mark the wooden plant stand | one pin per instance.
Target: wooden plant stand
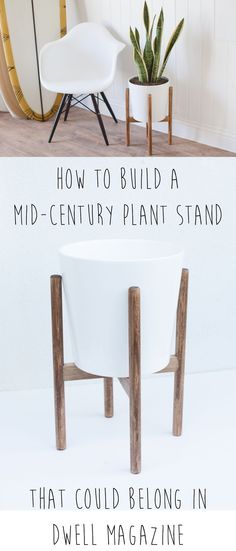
(149, 124)
(132, 384)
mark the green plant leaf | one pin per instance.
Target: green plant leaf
(152, 27)
(174, 37)
(157, 47)
(137, 36)
(146, 18)
(148, 57)
(138, 57)
(142, 69)
(133, 39)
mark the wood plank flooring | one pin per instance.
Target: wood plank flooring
(81, 136)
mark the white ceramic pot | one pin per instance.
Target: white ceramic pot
(96, 277)
(139, 100)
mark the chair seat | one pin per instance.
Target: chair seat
(77, 87)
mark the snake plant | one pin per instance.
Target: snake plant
(148, 59)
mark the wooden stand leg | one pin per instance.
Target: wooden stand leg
(58, 360)
(170, 115)
(135, 380)
(127, 117)
(150, 125)
(180, 353)
(108, 397)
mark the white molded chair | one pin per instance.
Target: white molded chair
(81, 64)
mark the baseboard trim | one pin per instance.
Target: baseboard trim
(205, 134)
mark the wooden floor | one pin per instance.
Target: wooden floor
(81, 136)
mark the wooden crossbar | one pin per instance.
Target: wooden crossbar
(172, 367)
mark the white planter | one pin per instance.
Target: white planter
(139, 101)
(96, 277)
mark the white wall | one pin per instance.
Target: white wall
(202, 68)
(28, 255)
(2, 104)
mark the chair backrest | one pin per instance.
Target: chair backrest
(87, 45)
(95, 39)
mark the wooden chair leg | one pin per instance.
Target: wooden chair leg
(180, 353)
(135, 380)
(150, 125)
(108, 397)
(127, 103)
(170, 115)
(58, 360)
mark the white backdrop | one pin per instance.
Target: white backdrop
(29, 253)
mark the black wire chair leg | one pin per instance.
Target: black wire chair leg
(68, 107)
(99, 117)
(58, 115)
(109, 107)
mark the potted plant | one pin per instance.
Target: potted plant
(151, 79)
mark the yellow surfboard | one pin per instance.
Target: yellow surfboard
(25, 27)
